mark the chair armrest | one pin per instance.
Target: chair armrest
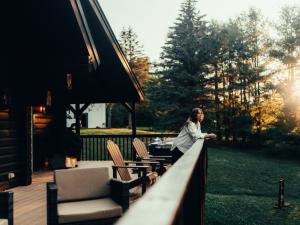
(128, 162)
(148, 161)
(6, 206)
(120, 192)
(52, 217)
(161, 156)
(151, 161)
(167, 159)
(162, 162)
(142, 169)
(142, 179)
(138, 167)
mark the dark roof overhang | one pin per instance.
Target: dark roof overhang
(46, 39)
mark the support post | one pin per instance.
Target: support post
(77, 118)
(133, 117)
(133, 120)
(281, 194)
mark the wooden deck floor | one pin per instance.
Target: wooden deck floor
(30, 201)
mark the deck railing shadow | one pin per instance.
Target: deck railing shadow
(179, 195)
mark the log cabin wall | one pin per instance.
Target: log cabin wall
(42, 133)
(10, 167)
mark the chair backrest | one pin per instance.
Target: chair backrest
(118, 160)
(140, 148)
(81, 184)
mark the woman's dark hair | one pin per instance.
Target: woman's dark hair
(192, 117)
(194, 113)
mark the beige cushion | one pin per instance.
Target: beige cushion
(3, 222)
(82, 184)
(88, 210)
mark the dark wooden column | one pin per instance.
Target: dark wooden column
(58, 106)
(58, 132)
(77, 118)
(29, 144)
(133, 119)
(23, 116)
(131, 109)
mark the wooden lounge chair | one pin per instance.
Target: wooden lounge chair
(142, 154)
(122, 167)
(6, 208)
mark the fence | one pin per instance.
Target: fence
(94, 146)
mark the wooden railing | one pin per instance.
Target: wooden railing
(94, 146)
(179, 195)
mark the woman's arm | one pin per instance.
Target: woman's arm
(210, 136)
(194, 132)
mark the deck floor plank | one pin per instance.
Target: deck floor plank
(30, 201)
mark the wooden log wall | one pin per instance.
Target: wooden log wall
(42, 123)
(9, 157)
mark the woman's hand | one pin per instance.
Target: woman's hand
(210, 136)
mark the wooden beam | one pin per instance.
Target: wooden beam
(127, 106)
(70, 107)
(86, 33)
(84, 108)
(77, 118)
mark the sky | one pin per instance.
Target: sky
(151, 19)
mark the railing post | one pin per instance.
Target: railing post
(77, 118)
(133, 119)
(280, 203)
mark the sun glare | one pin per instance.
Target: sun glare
(297, 89)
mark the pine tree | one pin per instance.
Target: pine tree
(181, 82)
(288, 51)
(139, 64)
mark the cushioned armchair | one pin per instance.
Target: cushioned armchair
(6, 208)
(85, 196)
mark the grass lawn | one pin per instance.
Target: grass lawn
(243, 187)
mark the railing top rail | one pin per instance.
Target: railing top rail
(128, 135)
(162, 202)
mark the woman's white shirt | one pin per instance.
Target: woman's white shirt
(188, 136)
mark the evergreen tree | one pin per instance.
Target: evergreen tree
(140, 65)
(288, 51)
(132, 49)
(181, 82)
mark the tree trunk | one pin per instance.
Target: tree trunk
(129, 121)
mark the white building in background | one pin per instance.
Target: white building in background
(93, 117)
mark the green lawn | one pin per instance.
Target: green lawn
(243, 186)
